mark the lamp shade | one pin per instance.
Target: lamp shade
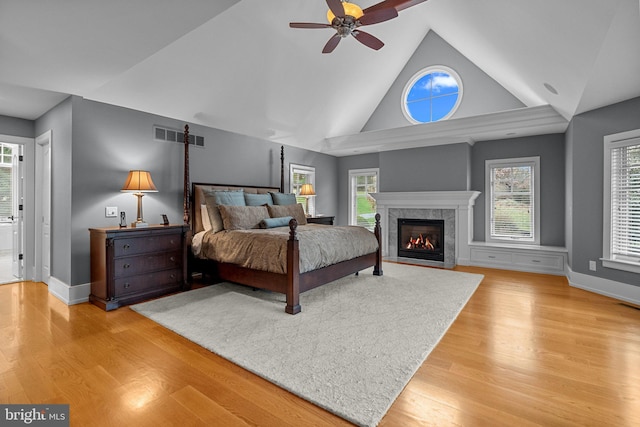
(139, 182)
(307, 190)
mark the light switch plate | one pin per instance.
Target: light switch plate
(111, 211)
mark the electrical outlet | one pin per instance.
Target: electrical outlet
(111, 211)
(592, 265)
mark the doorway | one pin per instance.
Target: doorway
(11, 212)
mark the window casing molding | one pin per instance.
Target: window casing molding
(417, 76)
(353, 174)
(534, 164)
(309, 174)
(610, 257)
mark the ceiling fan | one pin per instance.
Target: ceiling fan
(346, 18)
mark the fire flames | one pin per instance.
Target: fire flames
(420, 242)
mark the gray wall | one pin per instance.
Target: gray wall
(551, 149)
(108, 141)
(438, 168)
(481, 94)
(586, 161)
(17, 127)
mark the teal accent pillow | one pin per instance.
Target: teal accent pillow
(257, 199)
(284, 198)
(230, 198)
(282, 221)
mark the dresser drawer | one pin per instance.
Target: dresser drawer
(140, 245)
(129, 266)
(145, 282)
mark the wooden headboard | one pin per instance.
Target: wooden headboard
(193, 196)
(198, 198)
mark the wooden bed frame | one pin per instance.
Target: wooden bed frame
(293, 283)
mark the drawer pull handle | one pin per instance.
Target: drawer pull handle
(172, 259)
(126, 285)
(172, 242)
(535, 260)
(173, 276)
(126, 266)
(126, 247)
(491, 256)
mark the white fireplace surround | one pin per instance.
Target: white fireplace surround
(460, 201)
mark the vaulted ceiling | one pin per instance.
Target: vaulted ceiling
(236, 65)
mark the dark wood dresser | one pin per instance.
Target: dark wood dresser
(129, 265)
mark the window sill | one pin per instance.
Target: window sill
(632, 267)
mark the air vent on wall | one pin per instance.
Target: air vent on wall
(173, 135)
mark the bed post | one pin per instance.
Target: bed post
(186, 175)
(293, 270)
(282, 168)
(377, 269)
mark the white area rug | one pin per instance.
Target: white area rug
(352, 349)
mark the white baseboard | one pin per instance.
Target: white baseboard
(70, 295)
(606, 287)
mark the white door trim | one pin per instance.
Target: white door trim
(42, 254)
(28, 144)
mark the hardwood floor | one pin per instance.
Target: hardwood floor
(526, 350)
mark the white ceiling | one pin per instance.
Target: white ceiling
(236, 65)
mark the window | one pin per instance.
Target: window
(298, 175)
(6, 180)
(432, 94)
(621, 215)
(512, 205)
(362, 207)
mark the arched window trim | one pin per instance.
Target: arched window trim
(417, 76)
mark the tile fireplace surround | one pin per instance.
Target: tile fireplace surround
(455, 207)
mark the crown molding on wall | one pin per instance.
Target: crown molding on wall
(515, 123)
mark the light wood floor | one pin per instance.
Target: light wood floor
(526, 350)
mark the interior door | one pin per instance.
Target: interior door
(17, 213)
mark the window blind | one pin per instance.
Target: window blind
(625, 203)
(512, 202)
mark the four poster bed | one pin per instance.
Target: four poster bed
(258, 236)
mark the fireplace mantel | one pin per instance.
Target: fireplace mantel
(460, 201)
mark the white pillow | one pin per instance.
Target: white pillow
(206, 222)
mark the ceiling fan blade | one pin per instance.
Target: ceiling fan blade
(378, 16)
(336, 7)
(367, 39)
(332, 43)
(308, 25)
(398, 5)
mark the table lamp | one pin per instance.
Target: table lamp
(139, 182)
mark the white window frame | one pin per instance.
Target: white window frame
(514, 162)
(417, 76)
(610, 259)
(310, 172)
(352, 193)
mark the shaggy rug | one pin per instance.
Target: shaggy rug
(352, 349)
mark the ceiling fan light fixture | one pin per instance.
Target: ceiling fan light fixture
(350, 9)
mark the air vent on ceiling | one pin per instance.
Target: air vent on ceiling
(173, 135)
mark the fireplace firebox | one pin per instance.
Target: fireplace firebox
(421, 238)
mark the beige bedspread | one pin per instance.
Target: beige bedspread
(266, 250)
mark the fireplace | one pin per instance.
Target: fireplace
(421, 238)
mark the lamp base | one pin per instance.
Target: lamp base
(139, 224)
